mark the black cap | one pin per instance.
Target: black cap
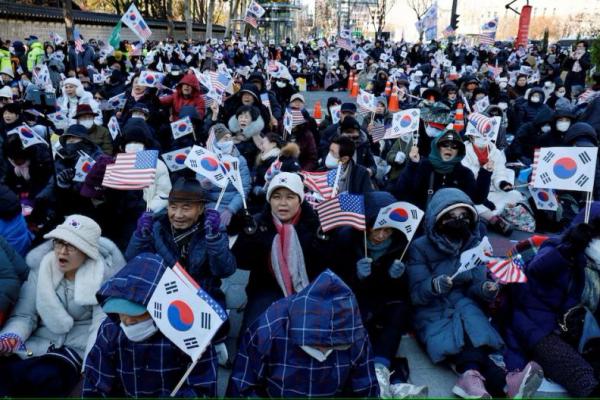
(187, 189)
(348, 107)
(349, 123)
(450, 135)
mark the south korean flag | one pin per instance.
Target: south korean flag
(565, 168)
(545, 199)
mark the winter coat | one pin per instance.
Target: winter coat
(69, 105)
(119, 367)
(54, 311)
(444, 323)
(81, 60)
(101, 137)
(40, 172)
(16, 232)
(413, 183)
(150, 100)
(232, 199)
(13, 272)
(577, 78)
(253, 251)
(304, 137)
(176, 100)
(398, 146)
(35, 55)
(209, 258)
(5, 63)
(527, 111)
(272, 363)
(500, 173)
(528, 137)
(160, 189)
(363, 154)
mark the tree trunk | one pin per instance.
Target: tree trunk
(209, 19)
(187, 14)
(169, 14)
(232, 8)
(68, 16)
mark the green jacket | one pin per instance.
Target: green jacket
(35, 55)
(5, 63)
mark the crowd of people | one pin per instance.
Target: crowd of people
(325, 311)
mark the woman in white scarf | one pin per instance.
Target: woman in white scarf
(54, 323)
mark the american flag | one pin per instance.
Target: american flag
(344, 43)
(479, 120)
(343, 210)
(131, 171)
(495, 71)
(219, 81)
(251, 20)
(508, 270)
(377, 132)
(78, 40)
(10, 342)
(449, 31)
(488, 38)
(297, 117)
(534, 165)
(142, 29)
(320, 182)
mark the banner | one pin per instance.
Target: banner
(524, 21)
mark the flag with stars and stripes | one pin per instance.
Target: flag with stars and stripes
(488, 32)
(78, 40)
(343, 210)
(509, 270)
(185, 313)
(131, 171)
(377, 131)
(320, 182)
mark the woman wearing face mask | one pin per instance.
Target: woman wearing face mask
(534, 104)
(54, 323)
(423, 177)
(98, 134)
(138, 94)
(563, 279)
(278, 270)
(448, 317)
(560, 92)
(561, 122)
(73, 94)
(528, 137)
(231, 203)
(136, 136)
(246, 126)
(482, 153)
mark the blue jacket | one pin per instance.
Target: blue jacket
(13, 272)
(271, 363)
(118, 367)
(443, 322)
(555, 282)
(232, 199)
(209, 259)
(16, 233)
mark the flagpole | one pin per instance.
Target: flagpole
(337, 179)
(588, 206)
(221, 197)
(187, 373)
(365, 236)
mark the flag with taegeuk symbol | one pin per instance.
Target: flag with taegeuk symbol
(402, 216)
(27, 135)
(83, 166)
(131, 171)
(134, 21)
(565, 168)
(343, 210)
(185, 313)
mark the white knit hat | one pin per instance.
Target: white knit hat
(81, 232)
(288, 180)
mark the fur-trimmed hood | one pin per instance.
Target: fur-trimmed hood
(254, 129)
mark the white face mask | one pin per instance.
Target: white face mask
(140, 331)
(430, 84)
(138, 115)
(503, 85)
(331, 162)
(562, 126)
(535, 99)
(134, 147)
(225, 147)
(546, 128)
(431, 131)
(280, 84)
(503, 106)
(88, 123)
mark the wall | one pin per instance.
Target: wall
(14, 29)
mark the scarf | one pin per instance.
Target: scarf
(483, 154)
(21, 171)
(439, 165)
(182, 240)
(378, 250)
(287, 260)
(52, 311)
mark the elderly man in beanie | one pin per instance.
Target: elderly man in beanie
(53, 326)
(123, 361)
(97, 134)
(187, 233)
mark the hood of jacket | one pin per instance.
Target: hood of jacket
(255, 127)
(543, 117)
(325, 313)
(189, 79)
(539, 91)
(375, 201)
(136, 281)
(581, 130)
(441, 202)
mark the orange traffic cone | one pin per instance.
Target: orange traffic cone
(388, 89)
(393, 104)
(317, 113)
(350, 81)
(459, 118)
(355, 88)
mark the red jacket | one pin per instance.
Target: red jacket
(177, 101)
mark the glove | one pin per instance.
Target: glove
(212, 221)
(65, 178)
(577, 239)
(363, 268)
(396, 269)
(442, 284)
(489, 290)
(9, 343)
(226, 217)
(400, 157)
(144, 224)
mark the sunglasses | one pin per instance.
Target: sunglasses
(449, 145)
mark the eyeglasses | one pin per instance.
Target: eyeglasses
(61, 244)
(449, 145)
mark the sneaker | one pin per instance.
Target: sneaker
(407, 390)
(470, 386)
(383, 378)
(524, 384)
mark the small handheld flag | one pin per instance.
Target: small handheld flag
(175, 160)
(344, 210)
(131, 171)
(565, 168)
(181, 127)
(207, 164)
(402, 216)
(27, 135)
